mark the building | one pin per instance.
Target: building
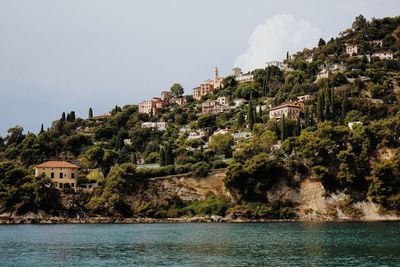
(215, 106)
(146, 107)
(204, 89)
(180, 101)
(326, 71)
(154, 105)
(278, 64)
(378, 43)
(383, 55)
(241, 135)
(290, 111)
(208, 86)
(304, 98)
(222, 131)
(240, 77)
(102, 116)
(200, 134)
(166, 96)
(351, 49)
(238, 102)
(159, 126)
(62, 174)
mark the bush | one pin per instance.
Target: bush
(200, 169)
(211, 205)
(218, 164)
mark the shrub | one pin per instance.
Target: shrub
(200, 169)
(218, 164)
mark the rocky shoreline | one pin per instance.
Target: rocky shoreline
(44, 218)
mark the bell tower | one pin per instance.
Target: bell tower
(216, 75)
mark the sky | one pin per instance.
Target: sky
(69, 55)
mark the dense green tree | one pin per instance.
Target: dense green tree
(321, 42)
(90, 113)
(161, 160)
(177, 90)
(250, 114)
(222, 144)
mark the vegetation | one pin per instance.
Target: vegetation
(362, 160)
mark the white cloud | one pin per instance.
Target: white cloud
(272, 39)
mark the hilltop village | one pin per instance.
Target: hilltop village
(322, 123)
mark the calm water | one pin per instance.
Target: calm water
(268, 244)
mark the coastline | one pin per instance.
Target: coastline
(40, 219)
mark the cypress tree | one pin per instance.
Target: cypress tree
(161, 160)
(320, 107)
(344, 108)
(240, 120)
(63, 116)
(169, 156)
(298, 127)
(71, 116)
(133, 159)
(250, 114)
(90, 113)
(283, 128)
(306, 118)
(326, 102)
(332, 95)
(41, 129)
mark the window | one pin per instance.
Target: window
(72, 175)
(52, 175)
(61, 175)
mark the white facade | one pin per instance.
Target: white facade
(197, 135)
(241, 135)
(221, 131)
(274, 63)
(290, 111)
(351, 49)
(159, 126)
(240, 77)
(383, 55)
(238, 102)
(303, 98)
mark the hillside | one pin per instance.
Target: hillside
(315, 136)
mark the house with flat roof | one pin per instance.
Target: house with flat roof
(62, 174)
(290, 111)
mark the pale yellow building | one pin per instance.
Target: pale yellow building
(63, 174)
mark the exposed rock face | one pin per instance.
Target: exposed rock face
(159, 190)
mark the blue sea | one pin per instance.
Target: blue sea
(202, 244)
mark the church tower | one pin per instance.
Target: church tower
(216, 75)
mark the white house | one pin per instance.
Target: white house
(383, 55)
(240, 77)
(159, 126)
(290, 111)
(241, 135)
(351, 49)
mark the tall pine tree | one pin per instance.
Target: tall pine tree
(90, 113)
(161, 160)
(250, 114)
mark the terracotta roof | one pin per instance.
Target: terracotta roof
(57, 164)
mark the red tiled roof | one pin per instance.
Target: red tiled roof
(57, 164)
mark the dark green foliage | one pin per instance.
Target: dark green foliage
(200, 169)
(250, 114)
